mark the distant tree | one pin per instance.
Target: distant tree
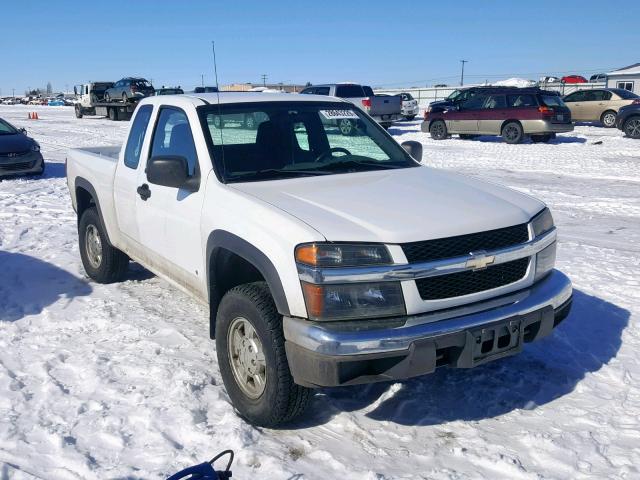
(33, 93)
(49, 88)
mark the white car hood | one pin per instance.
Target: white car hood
(396, 206)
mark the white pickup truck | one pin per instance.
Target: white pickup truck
(325, 259)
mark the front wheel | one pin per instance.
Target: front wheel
(512, 133)
(102, 262)
(124, 98)
(252, 358)
(78, 111)
(107, 97)
(608, 119)
(438, 130)
(631, 127)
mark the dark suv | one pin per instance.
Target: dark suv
(513, 113)
(130, 88)
(461, 95)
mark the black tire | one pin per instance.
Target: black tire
(410, 117)
(512, 133)
(113, 263)
(107, 97)
(541, 138)
(78, 111)
(125, 99)
(631, 127)
(438, 130)
(608, 119)
(281, 400)
(113, 114)
(346, 126)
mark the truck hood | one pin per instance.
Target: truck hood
(396, 206)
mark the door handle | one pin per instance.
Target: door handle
(144, 192)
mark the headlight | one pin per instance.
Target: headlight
(541, 223)
(35, 147)
(342, 255)
(353, 300)
(545, 259)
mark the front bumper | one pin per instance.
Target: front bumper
(346, 353)
(31, 162)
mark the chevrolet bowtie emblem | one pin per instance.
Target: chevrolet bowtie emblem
(478, 261)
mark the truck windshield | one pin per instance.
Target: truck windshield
(275, 140)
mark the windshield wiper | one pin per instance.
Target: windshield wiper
(351, 163)
(271, 173)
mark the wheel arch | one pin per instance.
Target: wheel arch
(232, 261)
(515, 120)
(86, 197)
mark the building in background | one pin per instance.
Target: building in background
(627, 78)
(249, 87)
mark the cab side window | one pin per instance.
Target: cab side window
(136, 136)
(521, 100)
(474, 103)
(172, 136)
(495, 101)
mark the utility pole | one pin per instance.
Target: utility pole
(13, 92)
(264, 79)
(202, 79)
(462, 74)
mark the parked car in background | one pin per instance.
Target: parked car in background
(205, 90)
(19, 154)
(130, 88)
(324, 260)
(409, 106)
(512, 113)
(598, 78)
(169, 91)
(56, 102)
(9, 101)
(549, 79)
(599, 105)
(383, 109)
(628, 120)
(573, 79)
(461, 95)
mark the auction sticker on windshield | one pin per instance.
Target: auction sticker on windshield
(333, 114)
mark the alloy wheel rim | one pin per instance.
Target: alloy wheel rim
(511, 133)
(438, 129)
(93, 246)
(246, 356)
(609, 119)
(633, 128)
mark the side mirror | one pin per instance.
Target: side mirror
(171, 171)
(414, 149)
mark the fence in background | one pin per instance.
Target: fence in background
(426, 95)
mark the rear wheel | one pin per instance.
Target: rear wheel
(113, 114)
(631, 127)
(608, 119)
(438, 130)
(124, 98)
(512, 133)
(346, 126)
(107, 97)
(252, 358)
(102, 262)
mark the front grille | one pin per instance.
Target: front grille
(465, 244)
(472, 281)
(8, 167)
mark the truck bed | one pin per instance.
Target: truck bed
(111, 151)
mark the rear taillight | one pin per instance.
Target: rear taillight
(544, 110)
(426, 114)
(366, 102)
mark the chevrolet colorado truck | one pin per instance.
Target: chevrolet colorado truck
(325, 259)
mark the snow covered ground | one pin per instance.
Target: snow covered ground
(121, 381)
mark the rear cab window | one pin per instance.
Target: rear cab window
(350, 91)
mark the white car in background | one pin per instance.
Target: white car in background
(409, 106)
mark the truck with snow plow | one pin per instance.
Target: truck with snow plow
(325, 259)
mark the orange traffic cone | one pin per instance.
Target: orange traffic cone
(35, 115)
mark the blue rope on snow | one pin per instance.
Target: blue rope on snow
(205, 471)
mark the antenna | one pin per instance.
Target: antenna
(221, 123)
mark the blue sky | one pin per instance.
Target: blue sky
(380, 43)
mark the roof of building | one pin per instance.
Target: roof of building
(628, 70)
